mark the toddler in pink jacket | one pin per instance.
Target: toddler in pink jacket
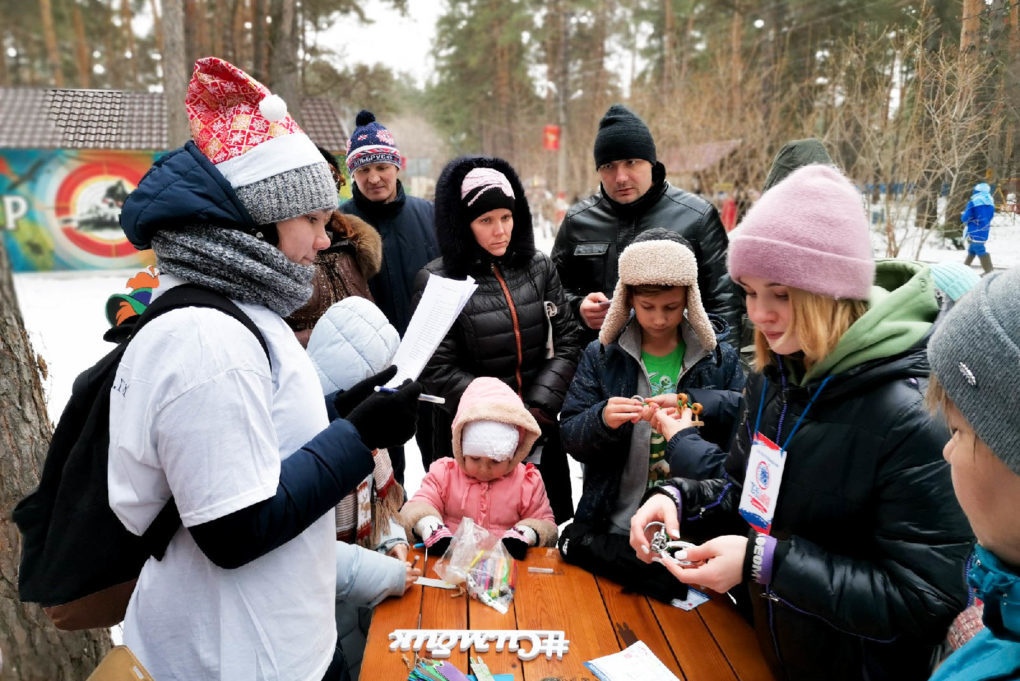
(486, 479)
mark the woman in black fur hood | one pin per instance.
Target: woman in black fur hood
(512, 327)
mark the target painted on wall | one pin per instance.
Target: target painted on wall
(65, 208)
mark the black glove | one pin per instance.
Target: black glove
(516, 543)
(347, 400)
(387, 419)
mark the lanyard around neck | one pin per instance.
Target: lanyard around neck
(761, 404)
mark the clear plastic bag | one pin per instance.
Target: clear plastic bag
(477, 559)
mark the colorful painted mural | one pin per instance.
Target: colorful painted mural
(60, 208)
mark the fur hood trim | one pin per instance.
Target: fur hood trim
(366, 240)
(412, 512)
(461, 253)
(547, 532)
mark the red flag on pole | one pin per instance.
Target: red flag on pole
(551, 137)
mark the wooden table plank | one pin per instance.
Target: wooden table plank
(633, 620)
(567, 600)
(441, 609)
(737, 638)
(693, 645)
(392, 613)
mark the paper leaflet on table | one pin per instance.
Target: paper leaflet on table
(634, 663)
(440, 304)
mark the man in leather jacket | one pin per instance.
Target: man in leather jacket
(634, 196)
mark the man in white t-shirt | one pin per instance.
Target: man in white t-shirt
(239, 440)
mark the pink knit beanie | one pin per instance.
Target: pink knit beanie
(809, 232)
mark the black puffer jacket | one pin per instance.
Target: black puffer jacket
(595, 231)
(503, 330)
(868, 570)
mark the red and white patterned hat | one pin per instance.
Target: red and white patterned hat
(245, 130)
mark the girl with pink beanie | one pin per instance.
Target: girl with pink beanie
(835, 522)
(486, 479)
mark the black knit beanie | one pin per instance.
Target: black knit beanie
(622, 134)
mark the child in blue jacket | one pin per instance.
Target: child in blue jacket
(977, 221)
(975, 363)
(656, 341)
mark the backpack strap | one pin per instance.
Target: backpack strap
(161, 530)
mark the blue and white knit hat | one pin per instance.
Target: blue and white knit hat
(370, 143)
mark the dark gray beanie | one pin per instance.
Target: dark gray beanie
(975, 354)
(622, 134)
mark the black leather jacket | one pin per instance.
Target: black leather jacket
(868, 571)
(596, 230)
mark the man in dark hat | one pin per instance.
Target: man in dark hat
(405, 224)
(634, 196)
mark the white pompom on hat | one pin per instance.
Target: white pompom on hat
(490, 439)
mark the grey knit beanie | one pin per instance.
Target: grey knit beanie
(658, 256)
(622, 134)
(975, 354)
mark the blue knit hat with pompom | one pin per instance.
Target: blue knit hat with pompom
(370, 143)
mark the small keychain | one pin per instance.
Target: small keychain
(683, 401)
(666, 547)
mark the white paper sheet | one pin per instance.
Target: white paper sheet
(440, 304)
(634, 663)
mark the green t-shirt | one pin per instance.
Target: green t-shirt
(663, 374)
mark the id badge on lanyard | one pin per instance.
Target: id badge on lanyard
(764, 474)
(761, 483)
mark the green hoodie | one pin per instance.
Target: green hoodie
(901, 311)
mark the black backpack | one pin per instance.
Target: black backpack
(77, 560)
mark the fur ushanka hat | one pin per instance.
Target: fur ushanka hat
(657, 256)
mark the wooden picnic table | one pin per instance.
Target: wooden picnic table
(710, 643)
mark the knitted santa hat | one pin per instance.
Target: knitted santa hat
(370, 143)
(246, 132)
(657, 256)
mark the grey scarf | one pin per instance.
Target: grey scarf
(235, 264)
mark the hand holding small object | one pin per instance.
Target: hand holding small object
(659, 508)
(593, 309)
(620, 410)
(719, 563)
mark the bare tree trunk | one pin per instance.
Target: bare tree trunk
(129, 38)
(667, 46)
(32, 648)
(240, 34)
(283, 66)
(201, 30)
(970, 31)
(260, 68)
(157, 26)
(50, 36)
(736, 62)
(83, 58)
(175, 72)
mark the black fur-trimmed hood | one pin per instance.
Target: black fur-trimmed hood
(461, 253)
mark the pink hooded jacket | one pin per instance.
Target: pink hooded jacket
(497, 505)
